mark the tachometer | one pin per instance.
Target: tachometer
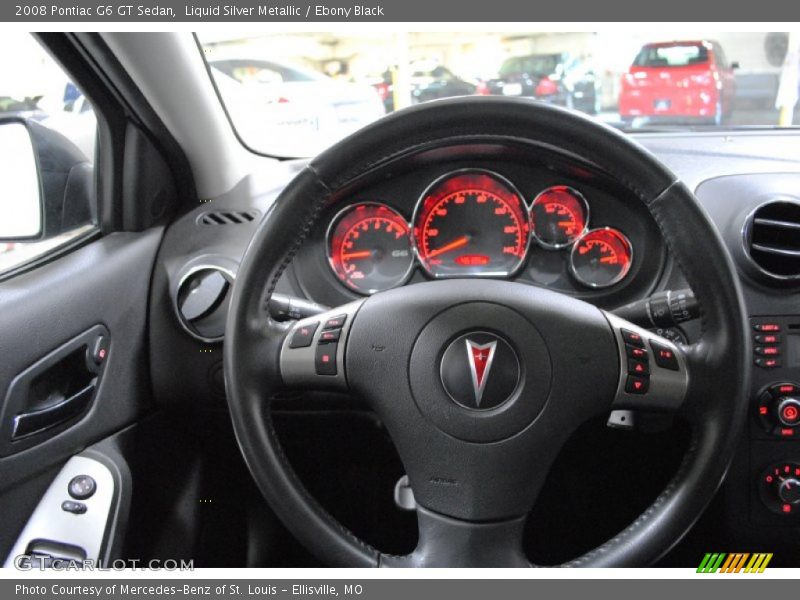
(601, 258)
(369, 248)
(471, 222)
(559, 216)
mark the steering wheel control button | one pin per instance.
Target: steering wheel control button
(664, 356)
(635, 352)
(303, 335)
(663, 385)
(330, 335)
(336, 322)
(82, 487)
(638, 367)
(312, 355)
(637, 385)
(76, 508)
(632, 338)
(480, 371)
(325, 359)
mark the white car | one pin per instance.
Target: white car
(306, 111)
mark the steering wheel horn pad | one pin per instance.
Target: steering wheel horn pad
(476, 472)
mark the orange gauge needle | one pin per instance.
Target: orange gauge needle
(357, 255)
(462, 241)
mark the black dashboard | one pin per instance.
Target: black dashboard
(504, 212)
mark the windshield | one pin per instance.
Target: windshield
(535, 65)
(672, 55)
(292, 94)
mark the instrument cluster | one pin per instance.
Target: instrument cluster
(473, 223)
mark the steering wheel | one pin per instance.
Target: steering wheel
(479, 383)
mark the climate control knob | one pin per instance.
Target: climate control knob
(789, 491)
(779, 488)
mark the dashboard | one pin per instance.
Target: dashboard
(486, 213)
(542, 220)
(472, 223)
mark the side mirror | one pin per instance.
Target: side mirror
(21, 204)
(735, 64)
(46, 183)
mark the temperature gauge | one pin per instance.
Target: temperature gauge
(559, 216)
(601, 258)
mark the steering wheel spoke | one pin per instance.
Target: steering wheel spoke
(654, 372)
(444, 542)
(312, 355)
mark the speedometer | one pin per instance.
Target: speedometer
(471, 222)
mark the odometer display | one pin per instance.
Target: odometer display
(369, 248)
(559, 216)
(471, 223)
(601, 258)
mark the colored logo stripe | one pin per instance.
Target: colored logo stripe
(734, 563)
(758, 563)
(710, 563)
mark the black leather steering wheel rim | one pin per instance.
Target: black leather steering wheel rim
(720, 366)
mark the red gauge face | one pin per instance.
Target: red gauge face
(559, 216)
(601, 258)
(369, 248)
(471, 223)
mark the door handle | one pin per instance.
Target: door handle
(55, 392)
(29, 423)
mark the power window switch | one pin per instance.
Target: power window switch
(76, 508)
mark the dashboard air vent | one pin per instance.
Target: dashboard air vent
(202, 301)
(227, 217)
(772, 239)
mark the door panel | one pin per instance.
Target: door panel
(104, 283)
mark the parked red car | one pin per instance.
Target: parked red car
(678, 81)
